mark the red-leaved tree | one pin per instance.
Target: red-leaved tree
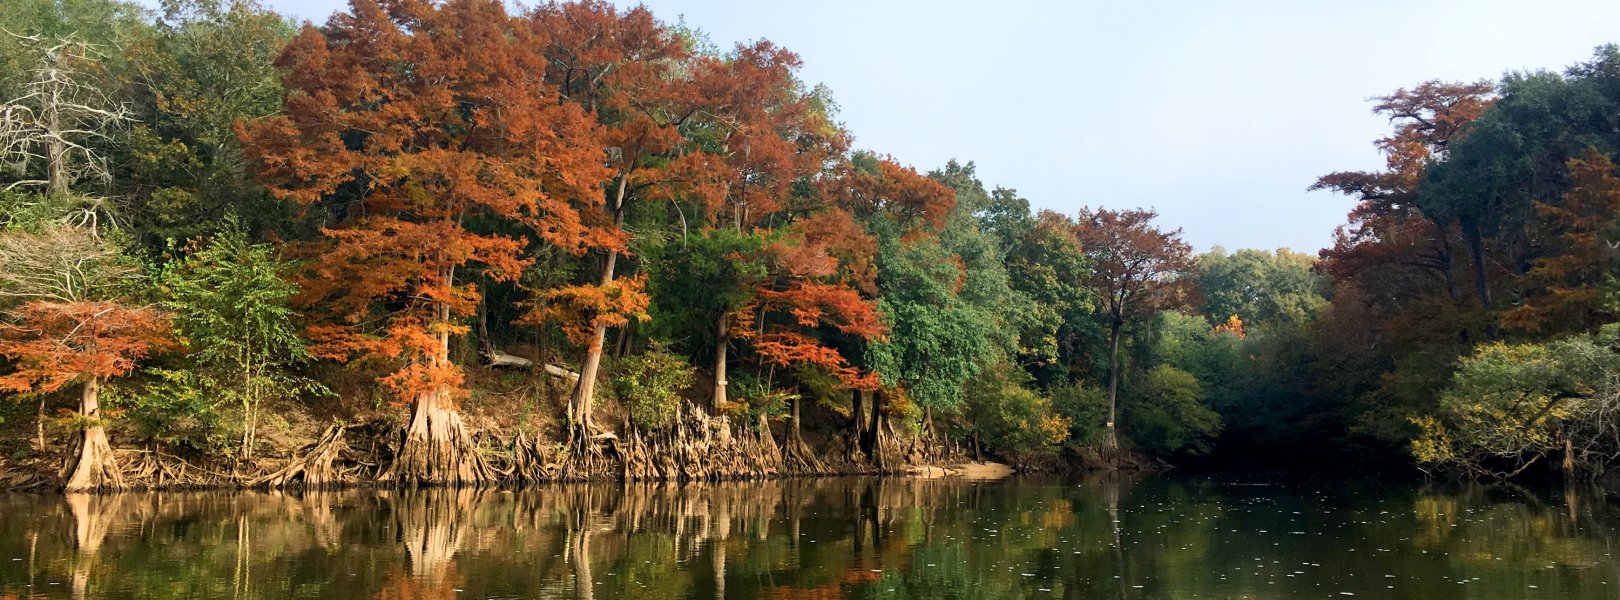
(66, 330)
(1137, 269)
(407, 122)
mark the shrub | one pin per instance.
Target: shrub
(649, 386)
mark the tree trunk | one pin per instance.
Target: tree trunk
(95, 468)
(39, 426)
(1447, 271)
(1112, 439)
(722, 336)
(579, 409)
(857, 428)
(870, 443)
(579, 412)
(56, 147)
(1482, 287)
(797, 457)
(437, 449)
(1569, 459)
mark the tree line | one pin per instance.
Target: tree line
(448, 243)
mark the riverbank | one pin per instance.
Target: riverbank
(698, 447)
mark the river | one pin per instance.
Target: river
(1100, 537)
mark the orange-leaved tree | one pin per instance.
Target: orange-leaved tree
(1387, 230)
(67, 326)
(761, 135)
(624, 71)
(899, 208)
(1137, 269)
(407, 122)
(1569, 288)
(810, 311)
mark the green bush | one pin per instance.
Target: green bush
(177, 406)
(1165, 415)
(1086, 408)
(1013, 420)
(649, 386)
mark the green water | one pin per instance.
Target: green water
(1168, 537)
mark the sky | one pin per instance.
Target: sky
(1218, 114)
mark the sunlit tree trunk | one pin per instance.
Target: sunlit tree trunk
(585, 391)
(94, 468)
(39, 425)
(55, 146)
(722, 335)
(437, 448)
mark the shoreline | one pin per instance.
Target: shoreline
(950, 470)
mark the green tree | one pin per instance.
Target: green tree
(207, 65)
(231, 307)
(1167, 416)
(1266, 289)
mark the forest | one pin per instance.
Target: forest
(455, 243)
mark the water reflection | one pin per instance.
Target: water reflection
(1105, 537)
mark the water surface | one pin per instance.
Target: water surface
(1103, 537)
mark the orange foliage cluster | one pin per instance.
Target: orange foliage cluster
(582, 308)
(1575, 274)
(53, 344)
(912, 199)
(405, 120)
(1232, 326)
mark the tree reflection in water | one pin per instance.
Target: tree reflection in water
(1103, 537)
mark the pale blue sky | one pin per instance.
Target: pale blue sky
(1218, 114)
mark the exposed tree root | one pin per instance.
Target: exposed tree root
(646, 457)
(797, 457)
(532, 462)
(317, 467)
(888, 452)
(94, 468)
(928, 448)
(149, 469)
(716, 449)
(437, 449)
(24, 476)
(696, 447)
(590, 453)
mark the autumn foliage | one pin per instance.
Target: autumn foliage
(54, 344)
(406, 121)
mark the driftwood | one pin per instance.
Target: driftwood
(498, 359)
